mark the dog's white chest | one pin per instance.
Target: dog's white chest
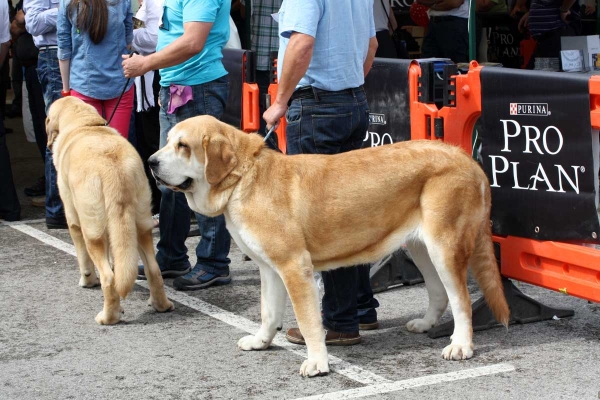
(245, 240)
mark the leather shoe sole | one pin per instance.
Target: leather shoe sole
(332, 338)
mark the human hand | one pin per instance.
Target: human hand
(565, 15)
(273, 114)
(134, 66)
(591, 9)
(517, 9)
(524, 22)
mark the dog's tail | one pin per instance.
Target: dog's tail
(122, 233)
(485, 269)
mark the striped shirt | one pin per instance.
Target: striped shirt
(544, 16)
(264, 31)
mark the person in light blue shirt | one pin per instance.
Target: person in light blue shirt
(191, 38)
(91, 41)
(326, 48)
(40, 22)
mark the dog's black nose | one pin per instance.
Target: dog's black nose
(153, 162)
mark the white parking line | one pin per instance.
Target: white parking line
(375, 384)
(338, 365)
(413, 383)
(23, 222)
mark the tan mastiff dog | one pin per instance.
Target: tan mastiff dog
(298, 214)
(107, 199)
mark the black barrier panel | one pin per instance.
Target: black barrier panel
(540, 154)
(386, 87)
(233, 61)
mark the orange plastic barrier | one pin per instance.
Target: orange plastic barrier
(568, 268)
(250, 106)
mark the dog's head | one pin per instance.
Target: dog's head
(198, 150)
(67, 114)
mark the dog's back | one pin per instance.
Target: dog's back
(110, 195)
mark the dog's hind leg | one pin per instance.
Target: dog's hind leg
(158, 298)
(438, 299)
(272, 307)
(86, 266)
(98, 251)
(302, 288)
(449, 264)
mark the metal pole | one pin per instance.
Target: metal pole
(472, 31)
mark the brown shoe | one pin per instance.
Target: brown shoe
(332, 338)
(38, 201)
(368, 327)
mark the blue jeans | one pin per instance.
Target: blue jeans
(213, 250)
(330, 123)
(49, 75)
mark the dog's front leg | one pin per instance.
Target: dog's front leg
(272, 307)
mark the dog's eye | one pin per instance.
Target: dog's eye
(181, 145)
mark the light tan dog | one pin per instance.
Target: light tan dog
(297, 214)
(107, 199)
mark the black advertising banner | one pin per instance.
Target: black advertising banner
(386, 87)
(233, 61)
(540, 154)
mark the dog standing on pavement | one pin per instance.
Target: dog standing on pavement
(297, 214)
(107, 199)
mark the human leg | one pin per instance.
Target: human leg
(212, 265)
(51, 82)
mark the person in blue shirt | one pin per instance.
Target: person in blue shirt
(191, 38)
(40, 22)
(92, 37)
(326, 48)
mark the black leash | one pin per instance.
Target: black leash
(122, 93)
(269, 141)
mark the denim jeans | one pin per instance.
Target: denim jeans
(213, 250)
(49, 75)
(330, 123)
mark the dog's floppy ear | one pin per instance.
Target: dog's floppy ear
(51, 130)
(220, 158)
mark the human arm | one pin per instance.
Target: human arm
(520, 7)
(128, 23)
(65, 73)
(565, 9)
(4, 32)
(484, 5)
(181, 49)
(370, 55)
(441, 5)
(39, 19)
(393, 22)
(17, 26)
(146, 38)
(296, 60)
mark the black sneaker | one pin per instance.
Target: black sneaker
(165, 272)
(38, 189)
(200, 279)
(56, 223)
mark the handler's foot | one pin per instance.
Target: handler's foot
(332, 338)
(200, 279)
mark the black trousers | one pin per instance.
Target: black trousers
(385, 45)
(447, 39)
(147, 133)
(37, 106)
(10, 209)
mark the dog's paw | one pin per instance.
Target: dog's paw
(89, 281)
(311, 368)
(457, 351)
(251, 342)
(103, 319)
(418, 326)
(162, 306)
